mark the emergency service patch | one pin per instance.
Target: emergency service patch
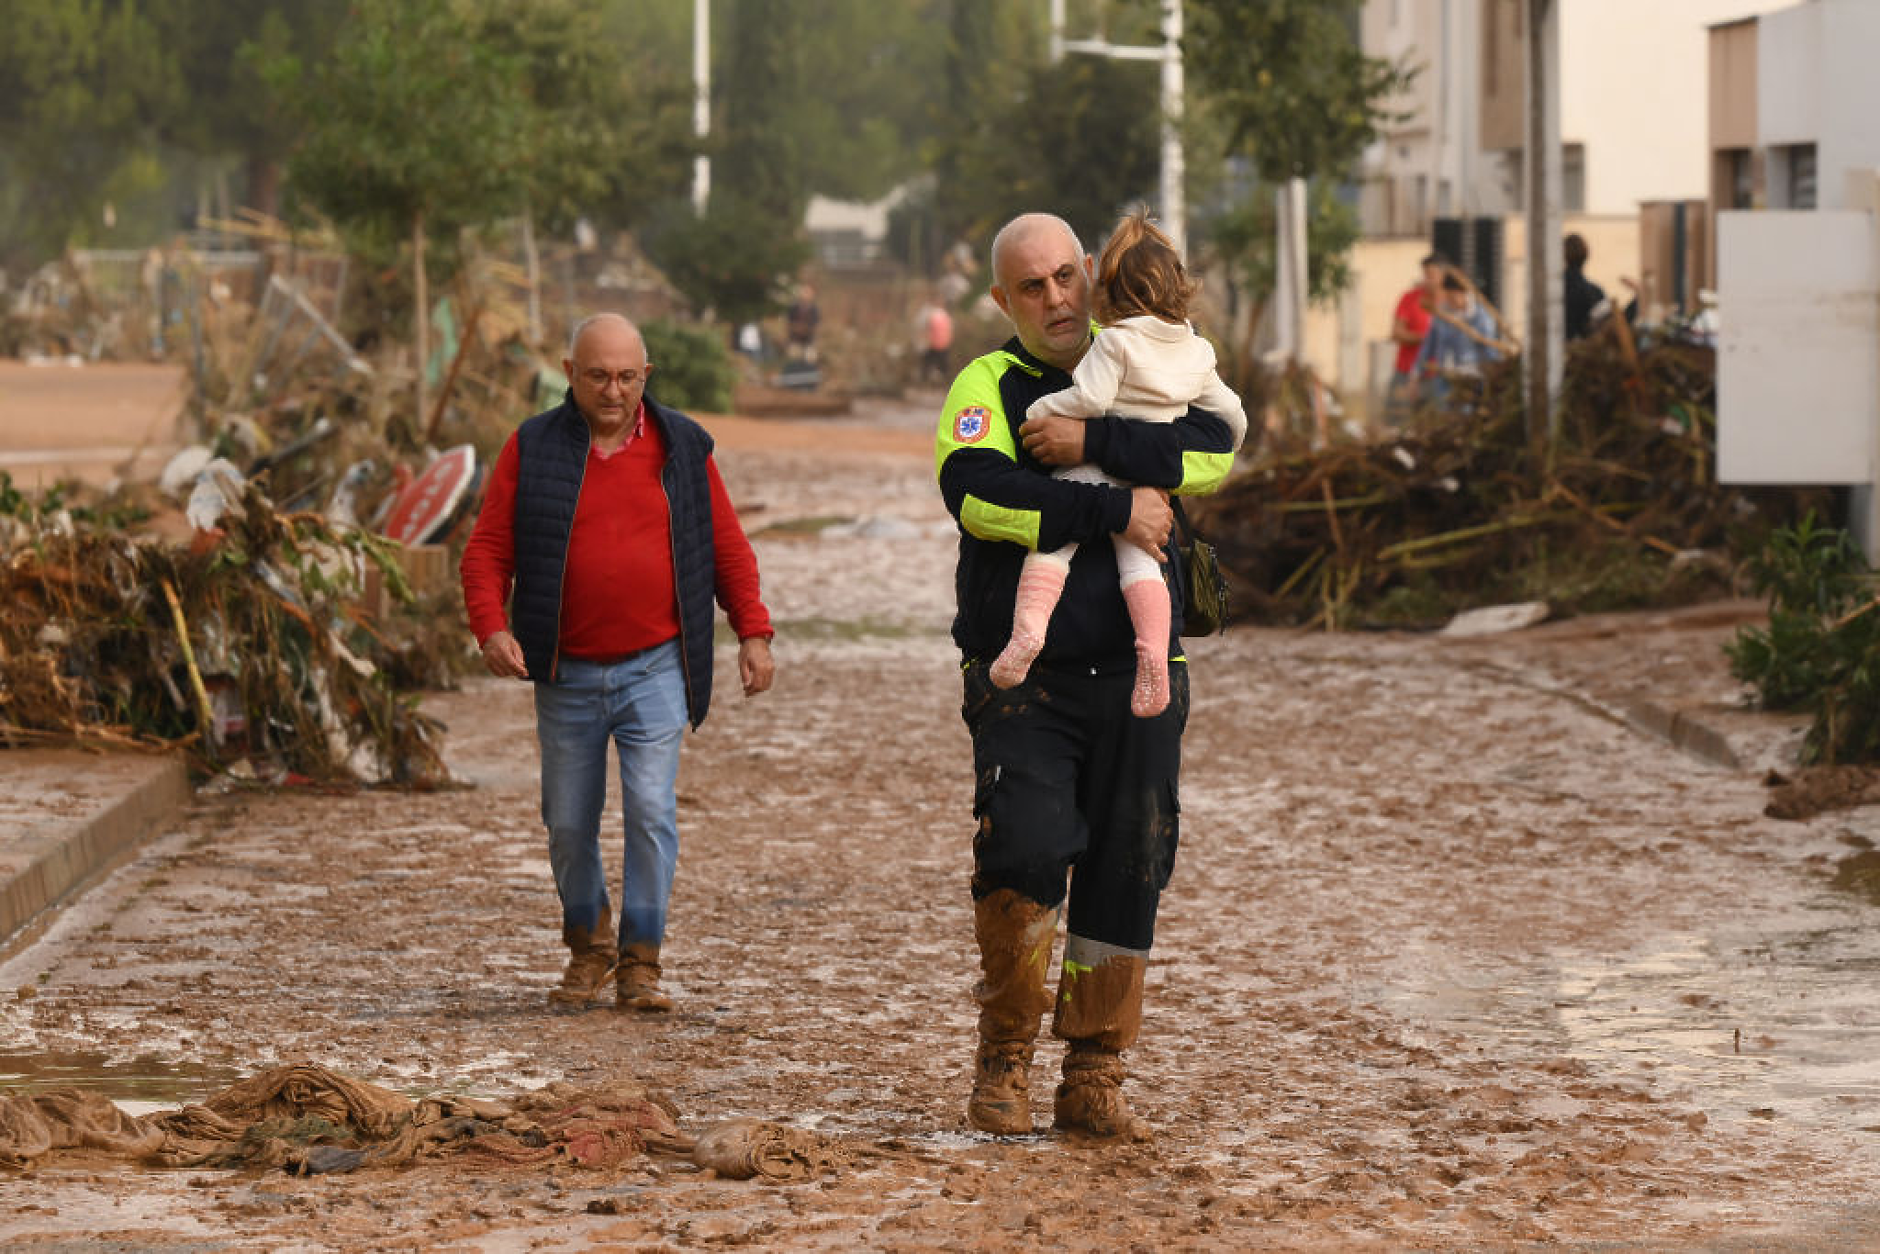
(971, 424)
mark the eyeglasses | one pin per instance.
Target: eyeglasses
(599, 379)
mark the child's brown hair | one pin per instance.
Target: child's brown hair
(1141, 273)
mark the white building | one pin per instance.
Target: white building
(1634, 106)
(1796, 177)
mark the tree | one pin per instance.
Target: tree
(1286, 90)
(737, 258)
(83, 79)
(416, 127)
(1079, 138)
(221, 50)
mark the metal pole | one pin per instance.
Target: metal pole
(1541, 359)
(1169, 54)
(1174, 203)
(701, 101)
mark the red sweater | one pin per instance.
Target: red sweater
(617, 592)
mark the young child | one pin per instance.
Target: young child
(1146, 364)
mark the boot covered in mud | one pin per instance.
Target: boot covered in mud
(636, 982)
(1015, 936)
(1099, 1013)
(1090, 1097)
(592, 956)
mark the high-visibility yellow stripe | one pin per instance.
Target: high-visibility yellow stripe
(997, 522)
(1202, 473)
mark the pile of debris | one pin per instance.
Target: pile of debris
(278, 629)
(248, 649)
(1461, 508)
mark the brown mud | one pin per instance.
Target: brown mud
(1453, 955)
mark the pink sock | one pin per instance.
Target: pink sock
(1147, 600)
(1040, 584)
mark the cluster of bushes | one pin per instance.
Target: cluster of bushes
(1821, 650)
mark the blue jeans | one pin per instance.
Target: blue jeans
(639, 704)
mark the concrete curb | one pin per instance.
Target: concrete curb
(1679, 730)
(53, 860)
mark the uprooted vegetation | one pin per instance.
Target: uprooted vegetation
(1460, 508)
(250, 653)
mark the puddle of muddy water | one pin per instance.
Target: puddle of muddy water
(1774, 1013)
(139, 1086)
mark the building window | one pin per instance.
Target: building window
(1573, 178)
(1742, 175)
(1802, 176)
(1491, 48)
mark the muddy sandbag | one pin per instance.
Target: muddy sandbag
(738, 1149)
(33, 1126)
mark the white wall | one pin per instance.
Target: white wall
(1798, 383)
(1788, 76)
(1635, 91)
(1850, 96)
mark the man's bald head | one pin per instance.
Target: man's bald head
(607, 371)
(1041, 280)
(1023, 229)
(609, 325)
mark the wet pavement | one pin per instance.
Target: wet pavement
(1458, 952)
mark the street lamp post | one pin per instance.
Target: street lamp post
(701, 101)
(1169, 53)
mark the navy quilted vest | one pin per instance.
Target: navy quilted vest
(552, 450)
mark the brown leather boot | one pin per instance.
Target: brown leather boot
(592, 956)
(636, 982)
(1099, 1013)
(1015, 935)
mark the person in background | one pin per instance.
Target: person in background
(1461, 339)
(1581, 296)
(1408, 326)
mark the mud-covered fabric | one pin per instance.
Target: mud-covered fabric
(1067, 780)
(310, 1120)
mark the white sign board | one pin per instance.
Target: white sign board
(1798, 348)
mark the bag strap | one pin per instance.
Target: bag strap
(1181, 519)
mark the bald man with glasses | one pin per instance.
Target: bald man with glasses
(604, 540)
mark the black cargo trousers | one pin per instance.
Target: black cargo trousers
(1070, 786)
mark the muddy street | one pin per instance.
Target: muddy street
(1453, 955)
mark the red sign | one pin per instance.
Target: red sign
(425, 507)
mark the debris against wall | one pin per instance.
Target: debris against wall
(1459, 508)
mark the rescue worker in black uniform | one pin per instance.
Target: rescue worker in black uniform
(1069, 785)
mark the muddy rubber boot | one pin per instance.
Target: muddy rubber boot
(1099, 1013)
(1040, 584)
(1015, 935)
(592, 956)
(636, 983)
(1090, 1098)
